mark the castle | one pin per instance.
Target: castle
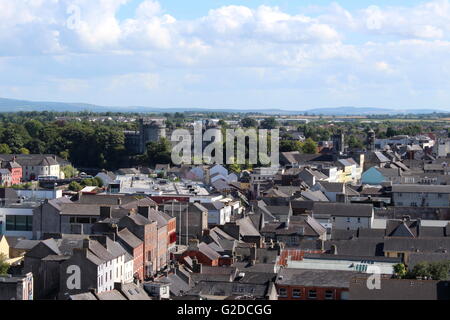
(150, 130)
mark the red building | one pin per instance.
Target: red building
(135, 247)
(202, 252)
(146, 231)
(16, 172)
(306, 284)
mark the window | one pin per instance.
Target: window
(83, 220)
(19, 223)
(282, 292)
(312, 294)
(296, 293)
(328, 295)
(348, 219)
(359, 220)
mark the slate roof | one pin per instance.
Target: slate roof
(366, 247)
(342, 209)
(246, 227)
(129, 238)
(417, 257)
(227, 289)
(315, 278)
(134, 292)
(83, 296)
(207, 251)
(110, 295)
(400, 289)
(416, 188)
(76, 209)
(417, 244)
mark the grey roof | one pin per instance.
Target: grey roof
(139, 219)
(314, 195)
(227, 289)
(134, 292)
(69, 242)
(246, 227)
(52, 244)
(25, 244)
(83, 296)
(93, 258)
(207, 251)
(257, 277)
(416, 188)
(367, 247)
(129, 238)
(380, 156)
(417, 244)
(342, 234)
(100, 251)
(417, 257)
(327, 256)
(342, 209)
(315, 278)
(114, 248)
(76, 209)
(400, 289)
(35, 159)
(110, 295)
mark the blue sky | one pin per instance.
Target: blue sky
(249, 54)
(183, 9)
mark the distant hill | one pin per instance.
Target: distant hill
(12, 105)
(347, 111)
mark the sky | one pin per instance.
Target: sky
(252, 54)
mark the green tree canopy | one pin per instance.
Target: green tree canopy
(249, 123)
(309, 146)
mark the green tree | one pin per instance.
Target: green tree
(269, 123)
(400, 270)
(354, 142)
(99, 182)
(309, 146)
(5, 149)
(24, 151)
(249, 123)
(422, 269)
(4, 266)
(75, 186)
(439, 270)
(290, 145)
(69, 171)
(159, 152)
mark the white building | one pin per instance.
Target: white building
(372, 265)
(413, 195)
(344, 216)
(16, 220)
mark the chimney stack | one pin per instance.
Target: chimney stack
(105, 213)
(144, 211)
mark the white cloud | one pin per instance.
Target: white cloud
(345, 51)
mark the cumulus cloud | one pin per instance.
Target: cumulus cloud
(84, 45)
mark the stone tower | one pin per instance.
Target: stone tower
(339, 143)
(151, 130)
(371, 140)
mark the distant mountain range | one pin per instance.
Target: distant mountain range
(12, 105)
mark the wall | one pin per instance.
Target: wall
(321, 291)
